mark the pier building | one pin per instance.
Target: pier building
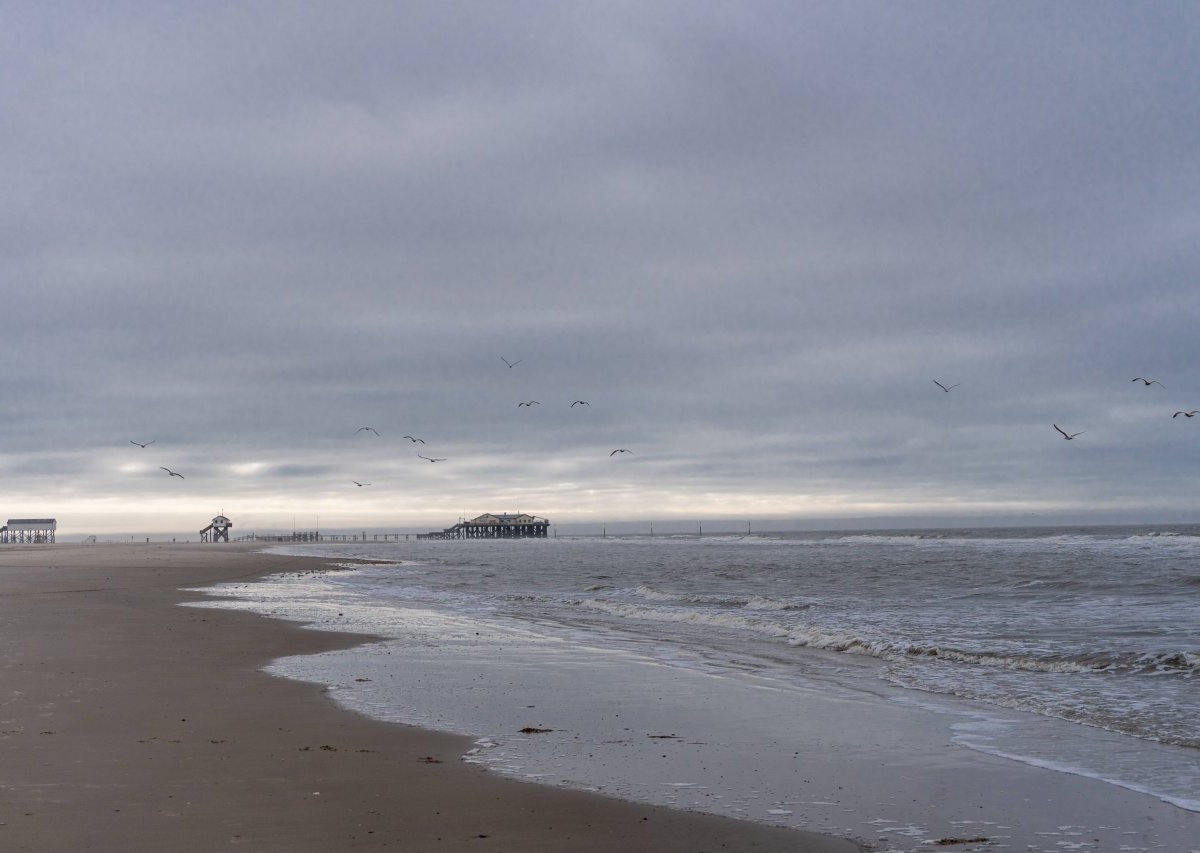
(495, 526)
(20, 531)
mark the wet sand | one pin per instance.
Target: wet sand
(129, 723)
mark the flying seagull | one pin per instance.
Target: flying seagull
(371, 429)
(580, 403)
(172, 473)
(531, 404)
(620, 450)
(1147, 381)
(944, 388)
(414, 439)
(511, 364)
(355, 482)
(1066, 435)
(432, 458)
(1190, 414)
(139, 444)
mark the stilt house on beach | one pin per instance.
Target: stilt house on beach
(495, 526)
(217, 530)
(19, 531)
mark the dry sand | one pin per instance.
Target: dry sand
(128, 723)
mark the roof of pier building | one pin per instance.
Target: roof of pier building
(507, 518)
(32, 523)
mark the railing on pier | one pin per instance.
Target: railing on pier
(294, 536)
(314, 536)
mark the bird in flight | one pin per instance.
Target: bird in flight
(1190, 414)
(367, 429)
(414, 439)
(139, 444)
(580, 403)
(1067, 435)
(531, 404)
(172, 473)
(620, 450)
(432, 458)
(944, 388)
(355, 482)
(511, 364)
(1147, 381)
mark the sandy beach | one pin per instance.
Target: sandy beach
(130, 723)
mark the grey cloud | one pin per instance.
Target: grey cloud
(751, 235)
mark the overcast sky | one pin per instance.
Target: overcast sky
(751, 235)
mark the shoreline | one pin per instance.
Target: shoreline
(130, 722)
(827, 757)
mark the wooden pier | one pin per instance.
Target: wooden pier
(314, 536)
(486, 526)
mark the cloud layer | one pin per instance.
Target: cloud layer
(750, 237)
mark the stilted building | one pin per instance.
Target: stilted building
(495, 526)
(217, 530)
(28, 530)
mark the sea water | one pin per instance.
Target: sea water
(809, 679)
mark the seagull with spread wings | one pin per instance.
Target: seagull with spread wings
(511, 364)
(172, 473)
(432, 458)
(355, 482)
(1067, 435)
(945, 388)
(580, 403)
(1147, 381)
(1190, 414)
(531, 404)
(620, 450)
(366, 429)
(139, 444)
(414, 439)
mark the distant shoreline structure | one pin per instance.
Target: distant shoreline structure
(26, 531)
(486, 526)
(495, 526)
